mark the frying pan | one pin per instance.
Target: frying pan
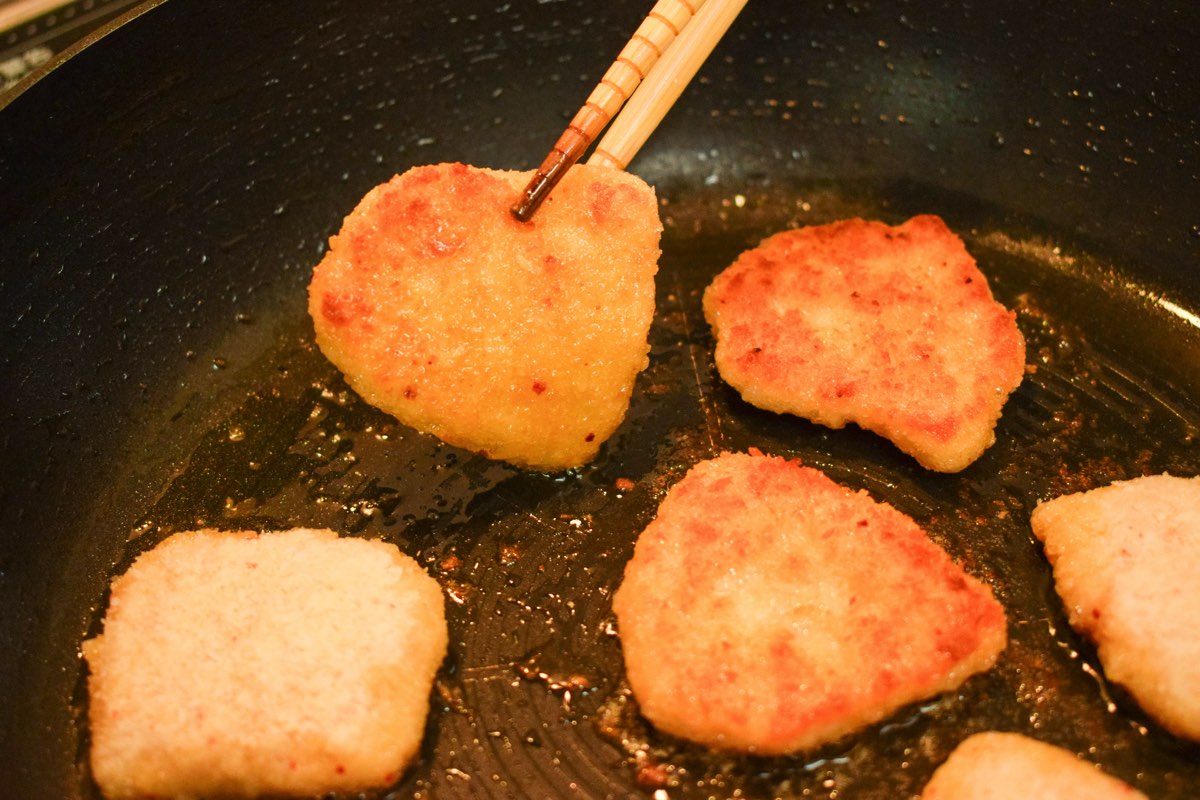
(166, 189)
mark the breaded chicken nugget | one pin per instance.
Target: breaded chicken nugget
(892, 328)
(1003, 766)
(518, 340)
(239, 664)
(768, 609)
(1126, 561)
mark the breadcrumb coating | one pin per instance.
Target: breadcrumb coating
(1126, 561)
(238, 664)
(518, 340)
(768, 609)
(891, 328)
(1000, 766)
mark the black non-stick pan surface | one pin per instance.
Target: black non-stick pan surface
(166, 190)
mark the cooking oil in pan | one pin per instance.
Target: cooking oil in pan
(531, 701)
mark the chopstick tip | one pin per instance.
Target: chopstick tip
(531, 198)
(522, 210)
(544, 179)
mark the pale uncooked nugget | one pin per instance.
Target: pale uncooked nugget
(238, 664)
(768, 609)
(891, 328)
(1009, 766)
(518, 340)
(1126, 561)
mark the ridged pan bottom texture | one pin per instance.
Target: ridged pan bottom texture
(531, 702)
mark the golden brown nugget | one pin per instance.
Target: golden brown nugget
(1126, 561)
(518, 340)
(1009, 766)
(891, 328)
(240, 664)
(768, 609)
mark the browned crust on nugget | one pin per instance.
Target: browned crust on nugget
(1000, 766)
(1126, 561)
(891, 328)
(518, 340)
(235, 664)
(768, 609)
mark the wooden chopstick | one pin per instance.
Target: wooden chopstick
(14, 13)
(666, 81)
(668, 21)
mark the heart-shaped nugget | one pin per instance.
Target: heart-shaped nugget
(892, 328)
(521, 341)
(768, 609)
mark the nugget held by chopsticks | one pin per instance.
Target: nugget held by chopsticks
(519, 340)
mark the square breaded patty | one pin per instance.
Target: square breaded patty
(521, 341)
(240, 664)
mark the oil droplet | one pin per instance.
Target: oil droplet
(140, 529)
